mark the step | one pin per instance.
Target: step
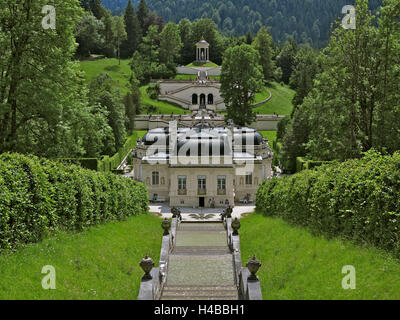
(200, 292)
(201, 250)
(200, 270)
(201, 226)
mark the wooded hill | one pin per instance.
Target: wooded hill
(304, 20)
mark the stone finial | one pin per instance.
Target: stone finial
(147, 265)
(253, 265)
(166, 224)
(235, 226)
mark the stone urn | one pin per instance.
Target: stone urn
(253, 265)
(235, 226)
(166, 224)
(147, 265)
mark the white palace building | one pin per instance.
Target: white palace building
(201, 164)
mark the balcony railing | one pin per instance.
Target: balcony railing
(201, 192)
(221, 192)
(182, 192)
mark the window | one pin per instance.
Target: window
(201, 182)
(194, 99)
(181, 182)
(155, 178)
(221, 185)
(210, 99)
(249, 178)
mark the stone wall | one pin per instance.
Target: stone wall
(144, 122)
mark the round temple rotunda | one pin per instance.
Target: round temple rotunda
(202, 51)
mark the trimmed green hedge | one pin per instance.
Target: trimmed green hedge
(38, 196)
(357, 199)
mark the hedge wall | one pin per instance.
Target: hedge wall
(357, 199)
(38, 196)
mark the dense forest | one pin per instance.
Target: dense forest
(307, 21)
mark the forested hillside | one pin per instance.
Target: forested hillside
(306, 20)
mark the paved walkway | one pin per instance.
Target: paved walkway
(200, 266)
(200, 214)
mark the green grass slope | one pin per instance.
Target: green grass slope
(297, 265)
(162, 107)
(100, 263)
(280, 103)
(204, 65)
(121, 74)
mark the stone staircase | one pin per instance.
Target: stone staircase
(201, 264)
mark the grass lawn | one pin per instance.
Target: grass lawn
(206, 65)
(99, 263)
(280, 103)
(185, 76)
(298, 265)
(270, 135)
(119, 73)
(261, 96)
(161, 106)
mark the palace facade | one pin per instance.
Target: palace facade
(202, 166)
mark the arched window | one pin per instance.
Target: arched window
(155, 178)
(194, 99)
(210, 99)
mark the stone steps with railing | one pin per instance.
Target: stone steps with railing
(200, 261)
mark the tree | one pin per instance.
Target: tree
(43, 102)
(119, 34)
(102, 92)
(108, 33)
(89, 34)
(170, 44)
(133, 31)
(263, 44)
(285, 59)
(143, 12)
(149, 48)
(241, 78)
(185, 31)
(307, 66)
(97, 9)
(132, 103)
(354, 104)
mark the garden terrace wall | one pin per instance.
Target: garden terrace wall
(357, 199)
(38, 196)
